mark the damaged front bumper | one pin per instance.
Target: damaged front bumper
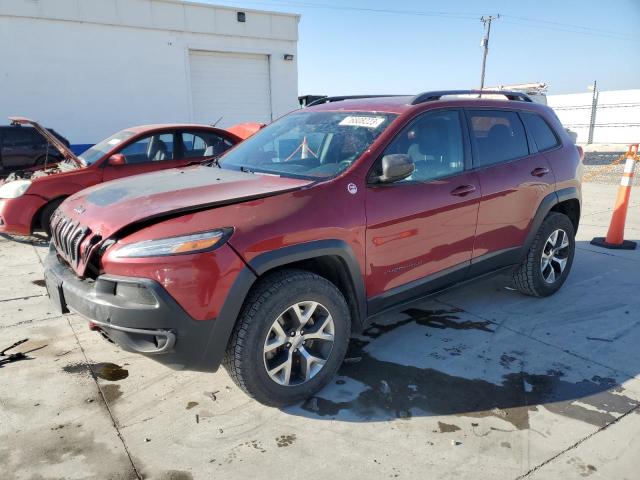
(137, 314)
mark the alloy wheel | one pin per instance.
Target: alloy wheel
(555, 255)
(299, 343)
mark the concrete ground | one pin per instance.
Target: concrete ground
(479, 382)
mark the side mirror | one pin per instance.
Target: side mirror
(397, 166)
(117, 159)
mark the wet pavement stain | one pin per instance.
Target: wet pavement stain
(447, 427)
(285, 440)
(440, 319)
(57, 446)
(111, 392)
(584, 469)
(176, 475)
(392, 390)
(106, 370)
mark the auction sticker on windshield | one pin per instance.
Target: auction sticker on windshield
(362, 121)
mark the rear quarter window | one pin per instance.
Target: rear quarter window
(499, 136)
(23, 136)
(541, 132)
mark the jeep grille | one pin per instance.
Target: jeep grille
(67, 236)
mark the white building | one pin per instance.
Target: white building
(91, 67)
(615, 119)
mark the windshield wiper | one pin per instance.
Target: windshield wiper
(246, 169)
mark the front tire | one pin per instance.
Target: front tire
(550, 257)
(290, 338)
(46, 213)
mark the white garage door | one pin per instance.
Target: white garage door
(234, 86)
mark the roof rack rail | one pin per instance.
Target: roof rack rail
(436, 95)
(322, 100)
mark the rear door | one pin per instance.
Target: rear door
(148, 153)
(199, 145)
(514, 179)
(21, 147)
(422, 228)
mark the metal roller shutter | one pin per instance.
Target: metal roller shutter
(234, 86)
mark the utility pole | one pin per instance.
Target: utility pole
(594, 107)
(486, 21)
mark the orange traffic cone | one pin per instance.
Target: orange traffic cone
(615, 235)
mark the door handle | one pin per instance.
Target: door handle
(463, 190)
(539, 172)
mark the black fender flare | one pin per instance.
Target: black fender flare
(262, 264)
(546, 205)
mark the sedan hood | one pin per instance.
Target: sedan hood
(103, 210)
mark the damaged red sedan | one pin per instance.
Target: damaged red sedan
(28, 198)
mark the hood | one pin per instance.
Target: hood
(105, 209)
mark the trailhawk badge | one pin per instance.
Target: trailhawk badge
(352, 188)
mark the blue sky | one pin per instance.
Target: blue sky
(566, 43)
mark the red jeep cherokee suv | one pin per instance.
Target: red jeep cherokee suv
(267, 260)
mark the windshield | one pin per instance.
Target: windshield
(309, 144)
(96, 152)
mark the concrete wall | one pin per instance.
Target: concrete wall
(91, 67)
(617, 118)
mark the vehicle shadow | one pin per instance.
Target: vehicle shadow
(36, 239)
(434, 359)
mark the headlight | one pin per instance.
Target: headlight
(195, 243)
(14, 189)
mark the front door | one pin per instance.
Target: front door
(420, 231)
(147, 154)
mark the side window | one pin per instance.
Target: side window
(435, 144)
(203, 144)
(499, 136)
(541, 131)
(153, 148)
(24, 137)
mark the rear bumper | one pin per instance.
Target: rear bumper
(16, 214)
(137, 314)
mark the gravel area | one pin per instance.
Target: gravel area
(599, 168)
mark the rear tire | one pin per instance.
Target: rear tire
(46, 213)
(550, 257)
(270, 364)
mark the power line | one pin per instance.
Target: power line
(515, 20)
(580, 32)
(550, 22)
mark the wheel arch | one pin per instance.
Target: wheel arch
(35, 221)
(331, 259)
(571, 208)
(565, 201)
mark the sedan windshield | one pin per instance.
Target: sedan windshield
(96, 152)
(315, 145)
